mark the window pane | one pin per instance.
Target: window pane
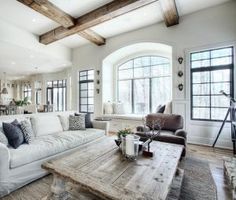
(161, 91)
(55, 105)
(161, 70)
(159, 60)
(83, 78)
(90, 93)
(220, 75)
(221, 61)
(217, 87)
(83, 108)
(83, 93)
(49, 84)
(90, 100)
(220, 101)
(141, 72)
(200, 56)
(201, 101)
(84, 86)
(200, 77)
(125, 74)
(125, 94)
(84, 73)
(90, 86)
(60, 99)
(201, 89)
(218, 113)
(127, 65)
(83, 100)
(201, 63)
(141, 96)
(221, 52)
(90, 108)
(201, 113)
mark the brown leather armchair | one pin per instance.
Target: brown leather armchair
(171, 129)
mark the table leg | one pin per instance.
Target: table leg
(58, 189)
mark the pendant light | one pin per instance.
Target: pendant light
(4, 90)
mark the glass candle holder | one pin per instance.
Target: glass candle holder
(130, 146)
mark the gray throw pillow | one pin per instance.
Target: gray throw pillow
(27, 131)
(3, 139)
(13, 133)
(77, 122)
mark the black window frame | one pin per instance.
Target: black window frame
(86, 81)
(210, 69)
(64, 94)
(150, 79)
(27, 92)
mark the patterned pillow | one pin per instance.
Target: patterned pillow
(27, 131)
(3, 139)
(77, 122)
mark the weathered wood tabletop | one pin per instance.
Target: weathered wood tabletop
(99, 168)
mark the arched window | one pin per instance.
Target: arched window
(144, 83)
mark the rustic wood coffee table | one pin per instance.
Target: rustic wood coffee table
(97, 170)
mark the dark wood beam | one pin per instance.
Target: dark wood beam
(92, 37)
(170, 12)
(107, 12)
(49, 10)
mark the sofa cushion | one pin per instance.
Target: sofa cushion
(88, 122)
(13, 133)
(49, 145)
(3, 138)
(77, 122)
(64, 122)
(27, 131)
(46, 124)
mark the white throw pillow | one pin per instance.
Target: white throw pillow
(108, 108)
(46, 125)
(168, 108)
(118, 108)
(64, 122)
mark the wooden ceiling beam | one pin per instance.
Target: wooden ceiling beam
(92, 37)
(170, 12)
(51, 11)
(104, 13)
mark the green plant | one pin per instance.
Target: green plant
(23, 102)
(124, 132)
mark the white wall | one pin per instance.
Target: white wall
(212, 27)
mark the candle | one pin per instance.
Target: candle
(130, 145)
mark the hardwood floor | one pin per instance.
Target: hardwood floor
(38, 189)
(215, 158)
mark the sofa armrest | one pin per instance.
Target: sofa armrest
(181, 133)
(101, 125)
(142, 128)
(4, 162)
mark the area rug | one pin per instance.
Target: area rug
(197, 184)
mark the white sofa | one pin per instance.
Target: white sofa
(21, 166)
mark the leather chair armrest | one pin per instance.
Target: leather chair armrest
(142, 128)
(181, 133)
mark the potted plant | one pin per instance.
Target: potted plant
(122, 133)
(23, 102)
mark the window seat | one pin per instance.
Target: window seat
(124, 116)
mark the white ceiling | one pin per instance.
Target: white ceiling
(15, 59)
(25, 18)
